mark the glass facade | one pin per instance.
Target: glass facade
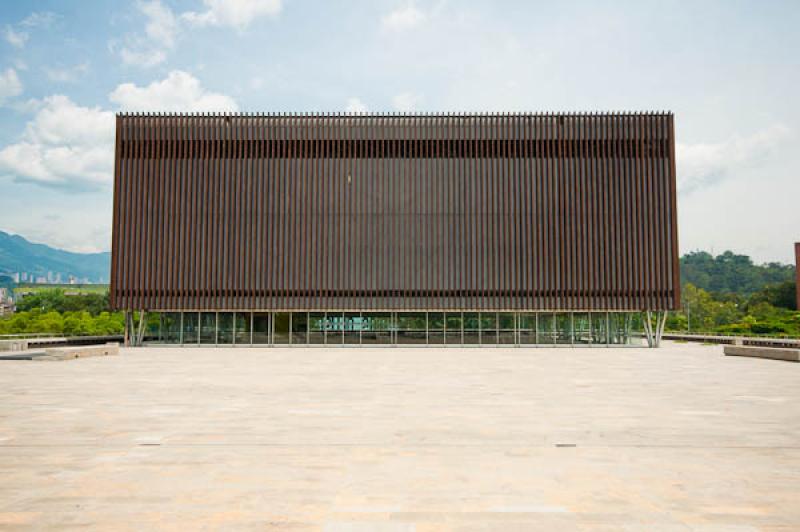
(395, 328)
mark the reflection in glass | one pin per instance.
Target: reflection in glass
(547, 328)
(488, 321)
(334, 328)
(316, 328)
(190, 327)
(505, 337)
(352, 328)
(582, 330)
(527, 328)
(377, 328)
(242, 328)
(563, 328)
(411, 321)
(261, 328)
(506, 321)
(170, 328)
(225, 328)
(471, 321)
(599, 327)
(471, 334)
(299, 328)
(435, 337)
(454, 321)
(208, 328)
(280, 331)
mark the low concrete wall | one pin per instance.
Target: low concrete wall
(67, 353)
(17, 344)
(790, 355)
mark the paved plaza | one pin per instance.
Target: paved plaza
(402, 439)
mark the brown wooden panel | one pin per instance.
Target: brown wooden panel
(394, 211)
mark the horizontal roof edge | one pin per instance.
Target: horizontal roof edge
(344, 114)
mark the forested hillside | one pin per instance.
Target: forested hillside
(731, 273)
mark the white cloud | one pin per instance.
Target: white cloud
(703, 164)
(403, 18)
(161, 24)
(354, 105)
(406, 102)
(10, 85)
(63, 145)
(39, 19)
(160, 32)
(179, 91)
(17, 39)
(233, 13)
(142, 58)
(67, 74)
(66, 145)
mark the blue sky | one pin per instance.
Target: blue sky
(729, 70)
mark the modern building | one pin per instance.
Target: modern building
(797, 273)
(439, 229)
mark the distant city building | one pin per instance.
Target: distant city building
(461, 229)
(797, 272)
(6, 302)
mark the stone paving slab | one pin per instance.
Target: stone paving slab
(391, 439)
(772, 353)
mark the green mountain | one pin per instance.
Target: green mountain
(19, 255)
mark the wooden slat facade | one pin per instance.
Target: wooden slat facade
(395, 212)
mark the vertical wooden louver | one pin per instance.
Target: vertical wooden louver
(388, 211)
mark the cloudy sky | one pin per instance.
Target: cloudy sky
(729, 70)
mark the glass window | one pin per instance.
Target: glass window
(352, 328)
(488, 337)
(225, 328)
(454, 322)
(299, 328)
(546, 328)
(599, 327)
(471, 321)
(527, 321)
(527, 329)
(280, 331)
(506, 321)
(582, 331)
(506, 337)
(316, 328)
(435, 337)
(471, 327)
(619, 328)
(411, 328)
(377, 328)
(436, 321)
(242, 328)
(261, 328)
(334, 328)
(190, 328)
(563, 328)
(171, 328)
(488, 321)
(208, 328)
(411, 321)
